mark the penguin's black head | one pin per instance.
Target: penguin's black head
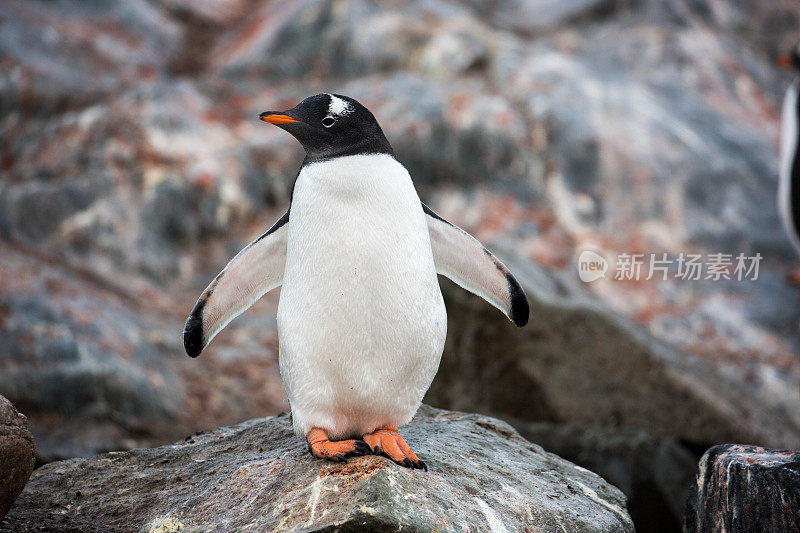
(331, 125)
(790, 60)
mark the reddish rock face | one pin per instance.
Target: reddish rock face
(16, 455)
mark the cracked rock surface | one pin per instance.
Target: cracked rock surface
(258, 476)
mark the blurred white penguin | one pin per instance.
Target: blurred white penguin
(361, 320)
(789, 186)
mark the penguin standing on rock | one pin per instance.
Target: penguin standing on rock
(789, 183)
(361, 319)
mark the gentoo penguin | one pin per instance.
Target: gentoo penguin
(789, 186)
(361, 320)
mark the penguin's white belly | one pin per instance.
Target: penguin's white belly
(361, 320)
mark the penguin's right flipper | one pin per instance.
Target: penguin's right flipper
(255, 270)
(460, 257)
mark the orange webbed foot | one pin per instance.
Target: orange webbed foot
(387, 441)
(323, 448)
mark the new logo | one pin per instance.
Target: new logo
(591, 266)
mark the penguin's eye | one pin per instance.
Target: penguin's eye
(328, 122)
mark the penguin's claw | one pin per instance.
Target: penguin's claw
(362, 448)
(337, 451)
(388, 442)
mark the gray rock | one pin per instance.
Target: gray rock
(742, 488)
(535, 16)
(258, 475)
(59, 56)
(126, 185)
(334, 39)
(77, 358)
(578, 362)
(16, 455)
(653, 473)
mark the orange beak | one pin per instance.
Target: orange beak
(276, 118)
(784, 61)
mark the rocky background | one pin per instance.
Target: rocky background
(133, 166)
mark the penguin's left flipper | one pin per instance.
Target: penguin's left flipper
(256, 270)
(461, 258)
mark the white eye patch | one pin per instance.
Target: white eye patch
(339, 107)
